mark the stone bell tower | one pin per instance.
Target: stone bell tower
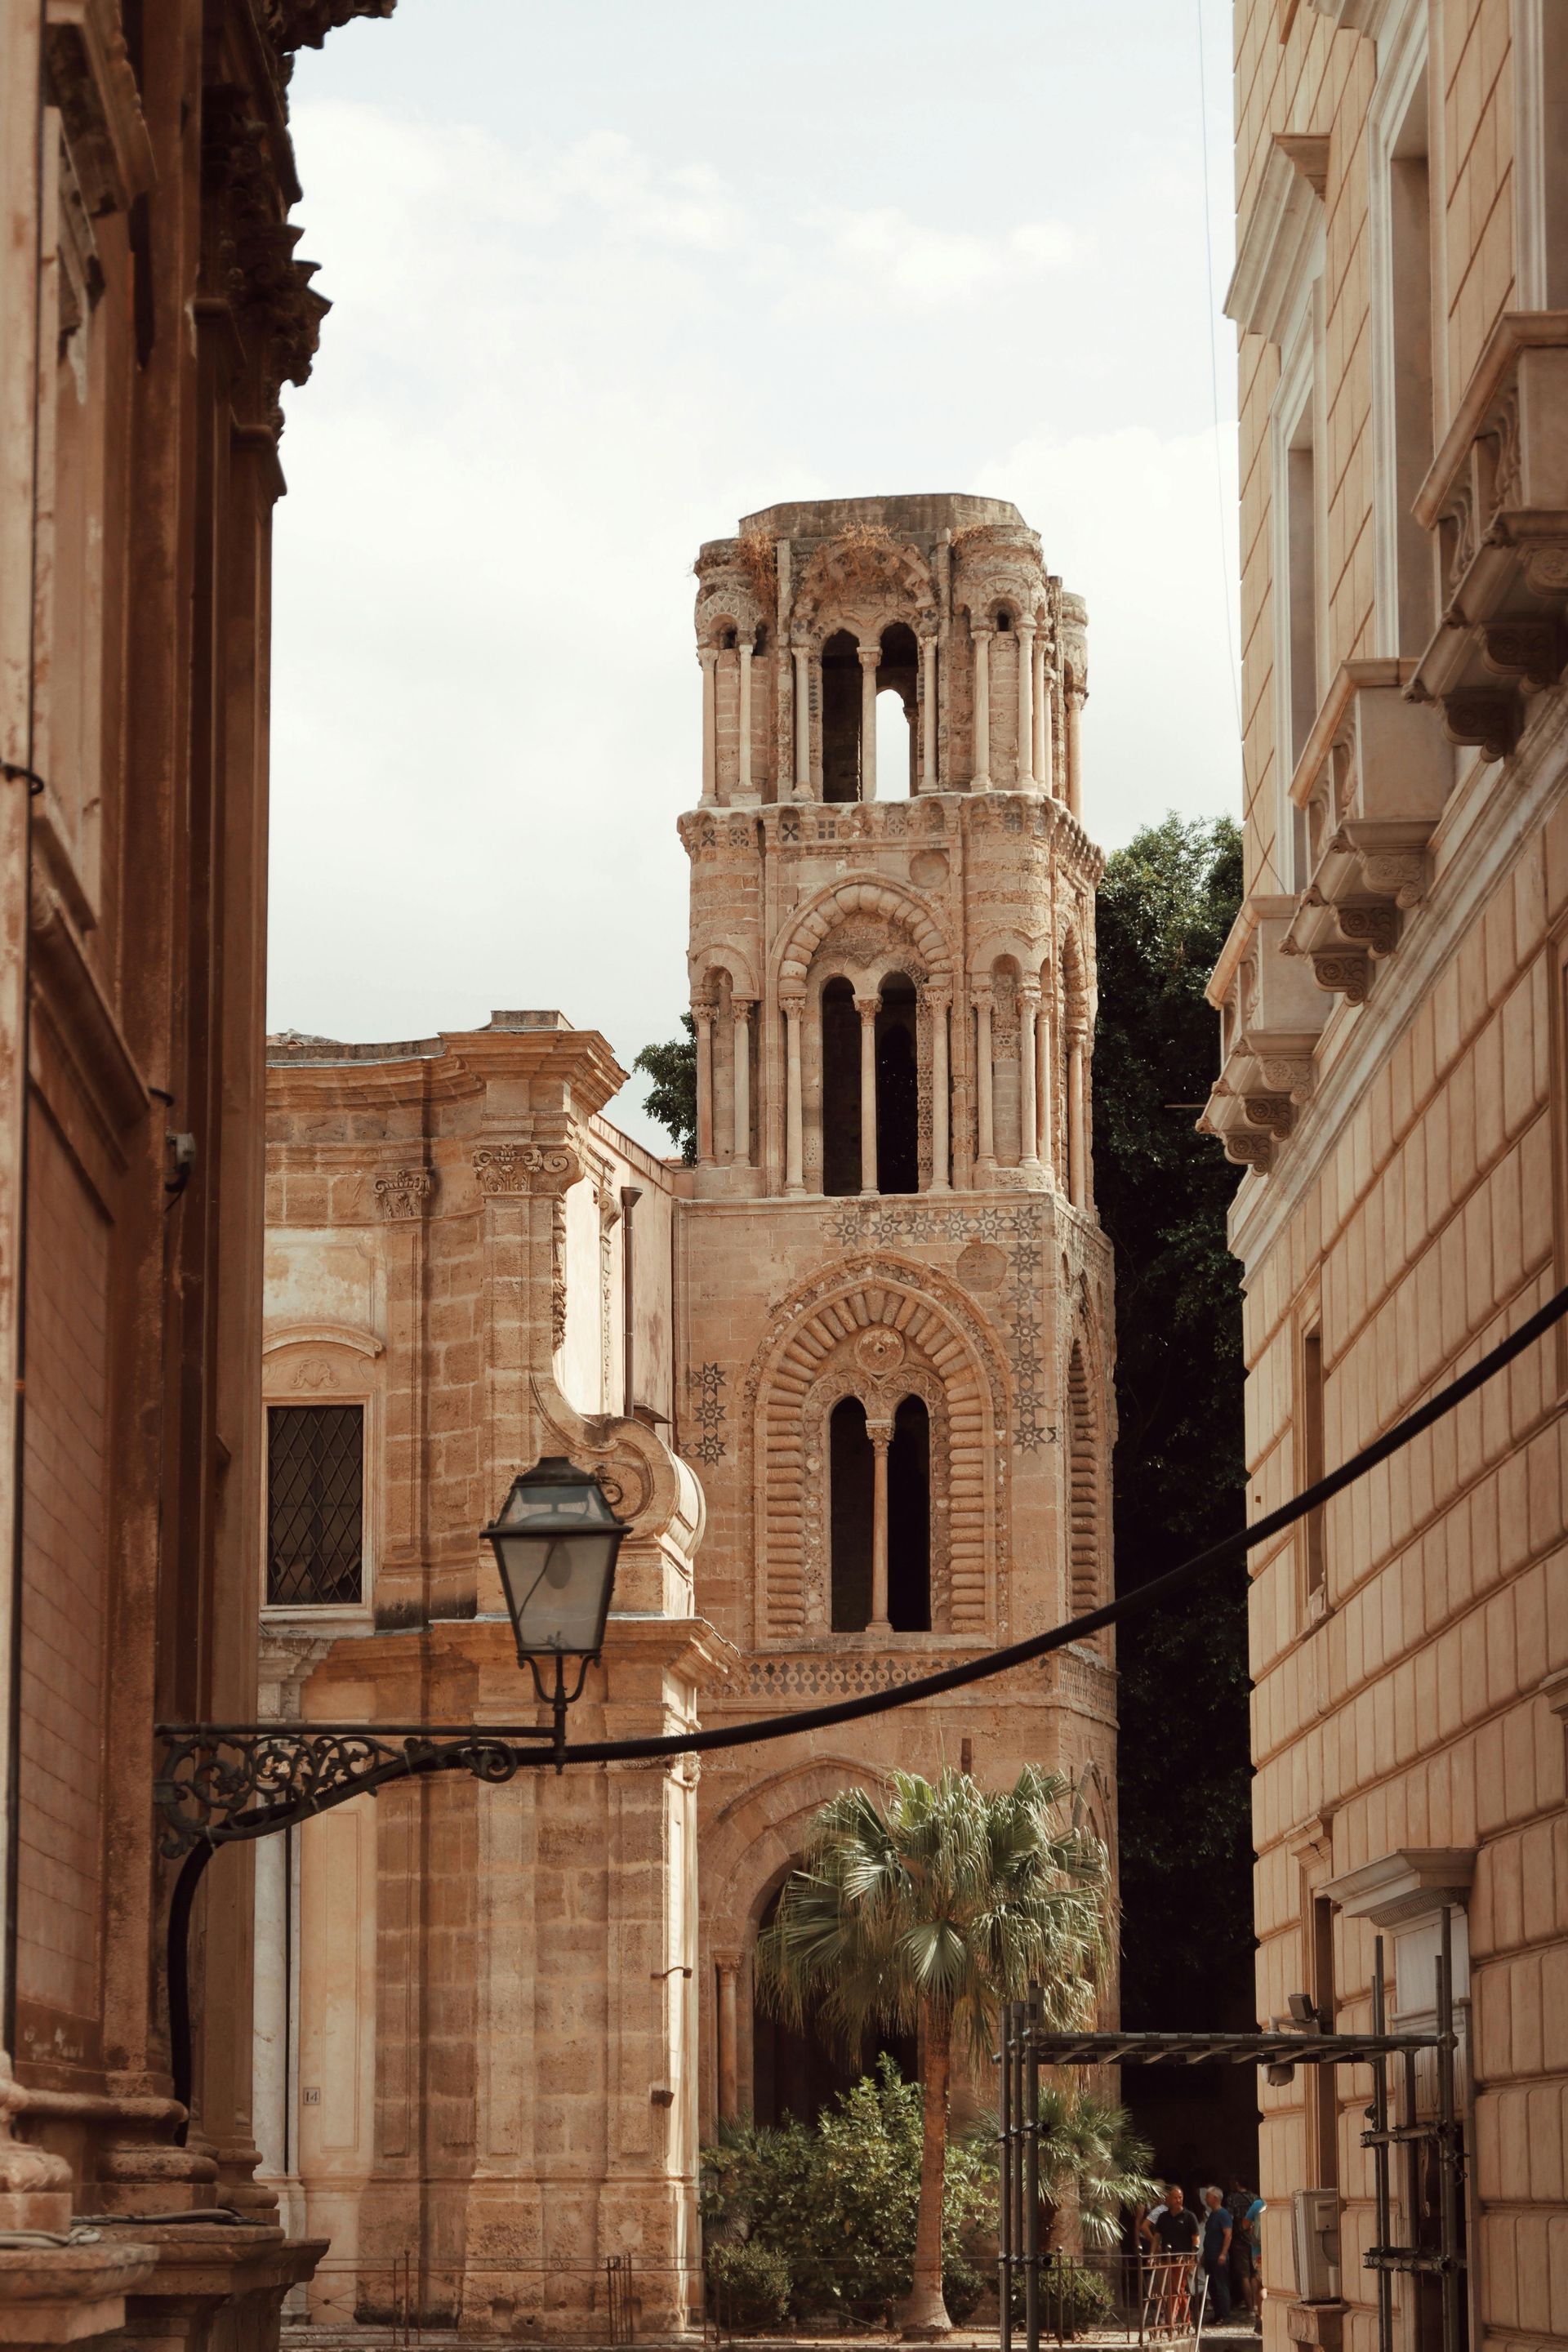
(894, 1299)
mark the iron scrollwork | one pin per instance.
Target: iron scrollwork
(225, 1782)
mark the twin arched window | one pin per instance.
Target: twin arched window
(888, 1563)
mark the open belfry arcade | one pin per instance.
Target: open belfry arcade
(848, 1377)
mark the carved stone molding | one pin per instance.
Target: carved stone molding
(1348, 975)
(1249, 1148)
(1488, 720)
(506, 1169)
(405, 1194)
(1275, 1112)
(1373, 927)
(305, 24)
(1534, 650)
(1290, 1074)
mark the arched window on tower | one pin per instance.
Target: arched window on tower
(898, 1090)
(1083, 1490)
(840, 1090)
(909, 1519)
(841, 717)
(852, 1488)
(898, 693)
(850, 1503)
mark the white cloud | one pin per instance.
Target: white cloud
(935, 265)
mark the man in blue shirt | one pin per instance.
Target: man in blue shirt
(1215, 2256)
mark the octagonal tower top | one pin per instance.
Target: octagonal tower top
(817, 607)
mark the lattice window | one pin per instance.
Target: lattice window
(315, 1505)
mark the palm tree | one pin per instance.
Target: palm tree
(926, 1912)
(1091, 2163)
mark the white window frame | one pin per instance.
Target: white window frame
(1403, 59)
(353, 1383)
(1298, 398)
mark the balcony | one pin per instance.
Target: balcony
(1497, 496)
(1371, 780)
(1271, 1016)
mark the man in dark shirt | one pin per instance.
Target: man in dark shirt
(1217, 2251)
(1176, 2229)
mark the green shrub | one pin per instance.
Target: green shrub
(839, 2202)
(749, 2287)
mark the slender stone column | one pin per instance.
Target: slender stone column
(1026, 706)
(1028, 1071)
(1076, 699)
(981, 779)
(729, 1971)
(937, 1003)
(794, 1147)
(1077, 1171)
(803, 722)
(709, 658)
(1043, 1086)
(744, 778)
(880, 1433)
(1042, 713)
(867, 1007)
(986, 1154)
(928, 715)
(870, 662)
(741, 1046)
(702, 1011)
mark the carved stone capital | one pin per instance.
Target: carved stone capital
(867, 1007)
(405, 1194)
(503, 1169)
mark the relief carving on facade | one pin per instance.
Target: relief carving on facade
(405, 1194)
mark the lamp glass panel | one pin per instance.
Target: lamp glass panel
(557, 1585)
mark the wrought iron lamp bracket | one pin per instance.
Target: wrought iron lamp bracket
(221, 1783)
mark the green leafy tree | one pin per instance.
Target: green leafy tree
(838, 2201)
(1165, 905)
(672, 1098)
(924, 1912)
(1093, 2164)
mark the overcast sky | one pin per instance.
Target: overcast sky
(606, 277)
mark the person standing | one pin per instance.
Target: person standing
(1240, 2202)
(1172, 2231)
(1215, 2256)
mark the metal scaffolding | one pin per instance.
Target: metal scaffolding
(1431, 2146)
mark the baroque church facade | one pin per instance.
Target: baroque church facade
(848, 1377)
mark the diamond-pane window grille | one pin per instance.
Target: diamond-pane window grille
(315, 1505)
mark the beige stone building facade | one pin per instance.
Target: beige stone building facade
(153, 306)
(1393, 1080)
(848, 1379)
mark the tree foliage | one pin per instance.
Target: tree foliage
(838, 2201)
(926, 1909)
(1166, 903)
(672, 1096)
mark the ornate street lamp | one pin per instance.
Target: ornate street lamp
(555, 1544)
